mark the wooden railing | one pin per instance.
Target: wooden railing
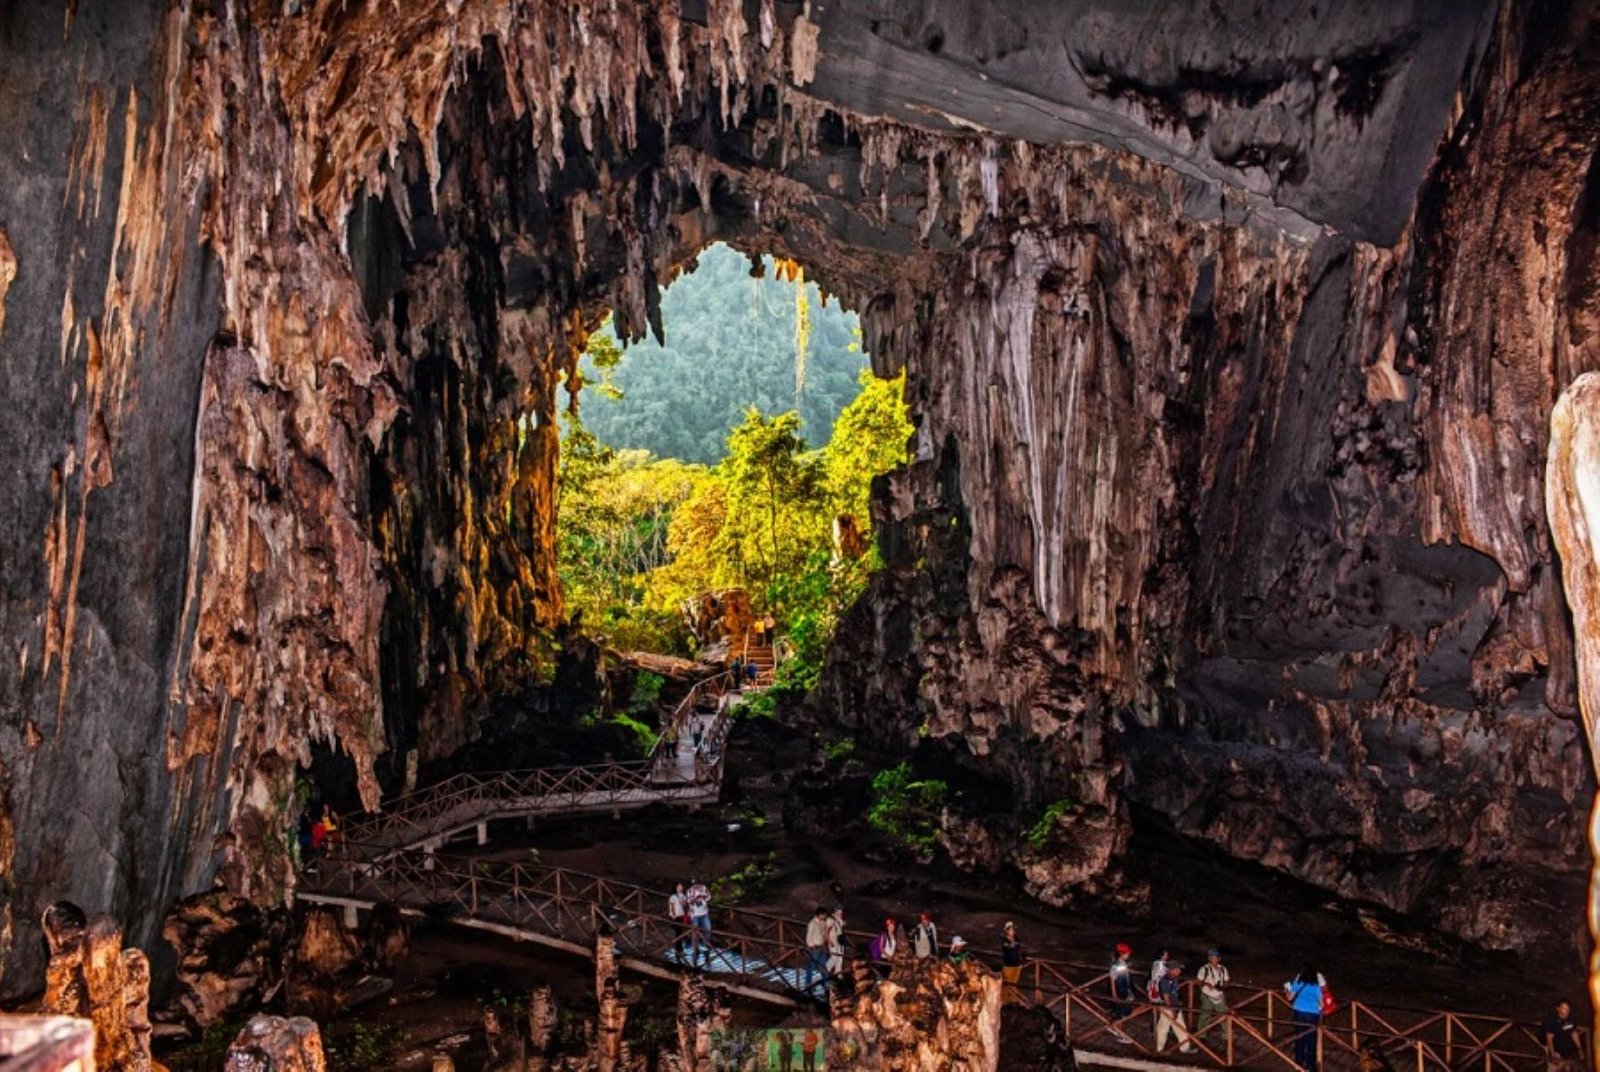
(760, 950)
(465, 800)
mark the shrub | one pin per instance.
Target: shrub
(906, 809)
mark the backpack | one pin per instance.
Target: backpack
(1330, 1004)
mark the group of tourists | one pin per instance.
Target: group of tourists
(313, 836)
(1310, 998)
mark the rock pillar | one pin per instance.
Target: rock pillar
(613, 1016)
(90, 975)
(927, 1016)
(1572, 499)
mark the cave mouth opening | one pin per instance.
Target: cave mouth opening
(714, 482)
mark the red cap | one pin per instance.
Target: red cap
(1123, 948)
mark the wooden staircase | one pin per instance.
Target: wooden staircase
(763, 658)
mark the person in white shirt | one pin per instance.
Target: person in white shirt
(817, 933)
(678, 912)
(699, 900)
(1213, 977)
(925, 938)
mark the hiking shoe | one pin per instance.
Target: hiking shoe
(1120, 1037)
(1185, 1049)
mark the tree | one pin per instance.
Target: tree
(870, 437)
(771, 477)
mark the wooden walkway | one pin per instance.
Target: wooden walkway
(393, 858)
(677, 771)
(763, 956)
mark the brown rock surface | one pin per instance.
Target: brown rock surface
(928, 1016)
(231, 956)
(1230, 343)
(90, 975)
(275, 1044)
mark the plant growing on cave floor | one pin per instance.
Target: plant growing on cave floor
(906, 809)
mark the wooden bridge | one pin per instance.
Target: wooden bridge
(677, 771)
(393, 858)
(763, 956)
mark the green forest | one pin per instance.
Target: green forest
(731, 343)
(668, 496)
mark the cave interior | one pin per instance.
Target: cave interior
(1232, 337)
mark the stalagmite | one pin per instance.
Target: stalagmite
(92, 976)
(613, 1016)
(928, 1016)
(1572, 501)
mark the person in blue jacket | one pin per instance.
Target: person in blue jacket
(1305, 998)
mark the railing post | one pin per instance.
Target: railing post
(1229, 1018)
(483, 833)
(473, 885)
(1270, 996)
(1449, 1039)
(1419, 1055)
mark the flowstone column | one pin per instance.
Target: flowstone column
(1572, 499)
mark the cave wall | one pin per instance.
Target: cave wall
(1226, 499)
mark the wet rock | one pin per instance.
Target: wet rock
(275, 1044)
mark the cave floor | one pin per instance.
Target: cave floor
(1267, 925)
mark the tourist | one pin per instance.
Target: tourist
(1560, 1036)
(886, 945)
(323, 831)
(1305, 1000)
(958, 950)
(785, 1046)
(817, 933)
(1120, 978)
(1213, 976)
(1158, 972)
(678, 912)
(750, 671)
(699, 732)
(699, 899)
(925, 938)
(808, 1049)
(1169, 1014)
(1010, 963)
(836, 949)
(302, 841)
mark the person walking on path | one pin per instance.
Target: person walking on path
(1120, 978)
(1213, 977)
(1305, 999)
(678, 911)
(1010, 963)
(1158, 972)
(925, 938)
(885, 946)
(1169, 1013)
(1560, 1037)
(836, 941)
(699, 900)
(699, 732)
(817, 933)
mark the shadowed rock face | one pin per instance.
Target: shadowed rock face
(1231, 344)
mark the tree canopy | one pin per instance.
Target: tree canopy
(732, 341)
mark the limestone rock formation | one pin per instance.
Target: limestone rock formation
(1230, 334)
(91, 975)
(275, 1044)
(927, 1016)
(231, 955)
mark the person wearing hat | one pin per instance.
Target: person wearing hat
(1213, 977)
(1120, 978)
(1010, 963)
(1169, 1010)
(958, 950)
(925, 938)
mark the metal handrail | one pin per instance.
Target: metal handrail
(765, 950)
